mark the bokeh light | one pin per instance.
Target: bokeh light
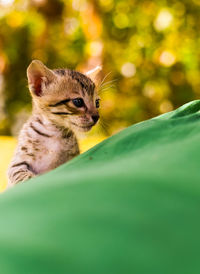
(163, 20)
(149, 51)
(128, 70)
(6, 2)
(167, 58)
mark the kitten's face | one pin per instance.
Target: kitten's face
(67, 98)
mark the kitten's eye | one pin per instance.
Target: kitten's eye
(78, 102)
(97, 103)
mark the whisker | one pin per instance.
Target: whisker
(99, 129)
(111, 86)
(104, 92)
(104, 122)
(109, 82)
(106, 89)
(105, 78)
(104, 126)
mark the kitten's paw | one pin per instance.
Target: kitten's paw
(20, 176)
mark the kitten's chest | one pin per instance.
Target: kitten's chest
(54, 152)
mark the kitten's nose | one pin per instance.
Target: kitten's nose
(95, 118)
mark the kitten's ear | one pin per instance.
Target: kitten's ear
(95, 75)
(38, 74)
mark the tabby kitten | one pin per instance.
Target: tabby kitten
(64, 101)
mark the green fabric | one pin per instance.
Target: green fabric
(129, 205)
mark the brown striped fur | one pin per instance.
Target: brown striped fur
(48, 138)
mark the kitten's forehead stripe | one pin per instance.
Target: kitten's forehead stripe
(86, 84)
(60, 71)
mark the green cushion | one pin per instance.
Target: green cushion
(129, 205)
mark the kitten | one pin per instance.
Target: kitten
(64, 101)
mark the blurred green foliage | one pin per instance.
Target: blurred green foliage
(149, 51)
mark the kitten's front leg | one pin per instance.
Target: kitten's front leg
(19, 172)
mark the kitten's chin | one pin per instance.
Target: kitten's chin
(85, 129)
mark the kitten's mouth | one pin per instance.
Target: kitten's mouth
(83, 128)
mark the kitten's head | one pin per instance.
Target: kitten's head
(67, 98)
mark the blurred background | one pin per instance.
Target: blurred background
(149, 51)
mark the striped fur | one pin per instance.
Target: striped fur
(48, 138)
